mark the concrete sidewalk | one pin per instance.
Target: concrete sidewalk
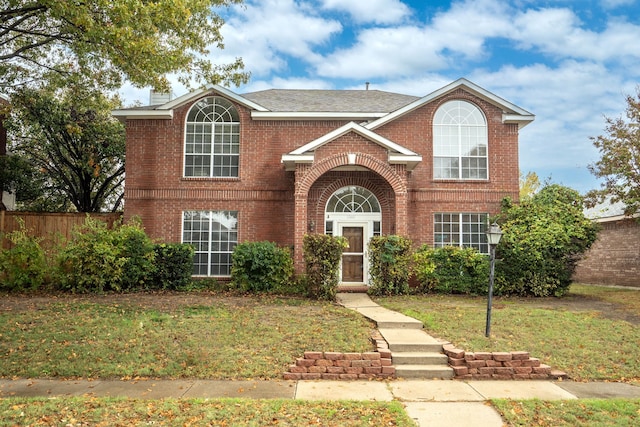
(429, 402)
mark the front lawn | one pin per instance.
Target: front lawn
(199, 412)
(570, 413)
(219, 338)
(591, 334)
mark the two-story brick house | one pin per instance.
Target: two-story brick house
(214, 168)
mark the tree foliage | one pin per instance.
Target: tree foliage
(114, 40)
(73, 144)
(529, 185)
(543, 239)
(619, 164)
(322, 255)
(389, 265)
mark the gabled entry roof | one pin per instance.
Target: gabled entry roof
(397, 153)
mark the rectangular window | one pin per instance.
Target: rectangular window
(214, 235)
(212, 150)
(461, 229)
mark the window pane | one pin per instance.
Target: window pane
(214, 236)
(461, 229)
(212, 130)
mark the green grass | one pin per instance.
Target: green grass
(584, 344)
(214, 412)
(247, 338)
(570, 413)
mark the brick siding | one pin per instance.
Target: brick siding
(277, 205)
(614, 258)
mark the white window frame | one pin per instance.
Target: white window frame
(206, 232)
(212, 139)
(459, 128)
(462, 229)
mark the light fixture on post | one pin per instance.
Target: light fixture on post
(493, 238)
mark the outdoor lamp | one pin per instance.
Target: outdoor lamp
(493, 238)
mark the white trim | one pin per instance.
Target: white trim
(469, 86)
(313, 115)
(360, 130)
(143, 114)
(165, 111)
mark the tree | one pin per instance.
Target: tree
(529, 185)
(114, 40)
(543, 239)
(73, 143)
(619, 164)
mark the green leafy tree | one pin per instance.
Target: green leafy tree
(114, 40)
(74, 145)
(619, 164)
(529, 185)
(543, 239)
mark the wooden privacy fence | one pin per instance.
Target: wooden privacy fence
(49, 225)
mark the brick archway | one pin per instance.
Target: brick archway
(306, 175)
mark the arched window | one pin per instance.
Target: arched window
(353, 199)
(459, 142)
(212, 139)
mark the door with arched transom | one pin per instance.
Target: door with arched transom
(354, 213)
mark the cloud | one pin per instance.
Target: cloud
(266, 32)
(559, 32)
(371, 11)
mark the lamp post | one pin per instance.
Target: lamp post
(493, 238)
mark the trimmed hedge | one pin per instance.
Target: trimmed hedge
(389, 265)
(261, 267)
(322, 254)
(451, 270)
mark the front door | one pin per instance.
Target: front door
(353, 255)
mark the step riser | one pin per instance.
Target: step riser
(444, 373)
(412, 348)
(398, 359)
(400, 325)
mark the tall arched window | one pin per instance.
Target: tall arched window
(459, 142)
(212, 139)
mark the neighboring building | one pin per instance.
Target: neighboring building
(614, 258)
(215, 168)
(8, 199)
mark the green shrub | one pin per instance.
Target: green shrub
(543, 239)
(261, 267)
(173, 266)
(451, 270)
(98, 259)
(389, 265)
(23, 266)
(322, 254)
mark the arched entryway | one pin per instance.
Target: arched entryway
(354, 212)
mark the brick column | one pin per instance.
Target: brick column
(300, 230)
(401, 214)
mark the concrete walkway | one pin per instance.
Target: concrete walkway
(429, 402)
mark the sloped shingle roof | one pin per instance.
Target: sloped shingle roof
(354, 101)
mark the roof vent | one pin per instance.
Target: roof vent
(366, 85)
(159, 98)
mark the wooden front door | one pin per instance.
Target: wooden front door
(353, 256)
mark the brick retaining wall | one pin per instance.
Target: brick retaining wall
(318, 365)
(515, 365)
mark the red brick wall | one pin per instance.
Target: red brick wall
(614, 258)
(264, 192)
